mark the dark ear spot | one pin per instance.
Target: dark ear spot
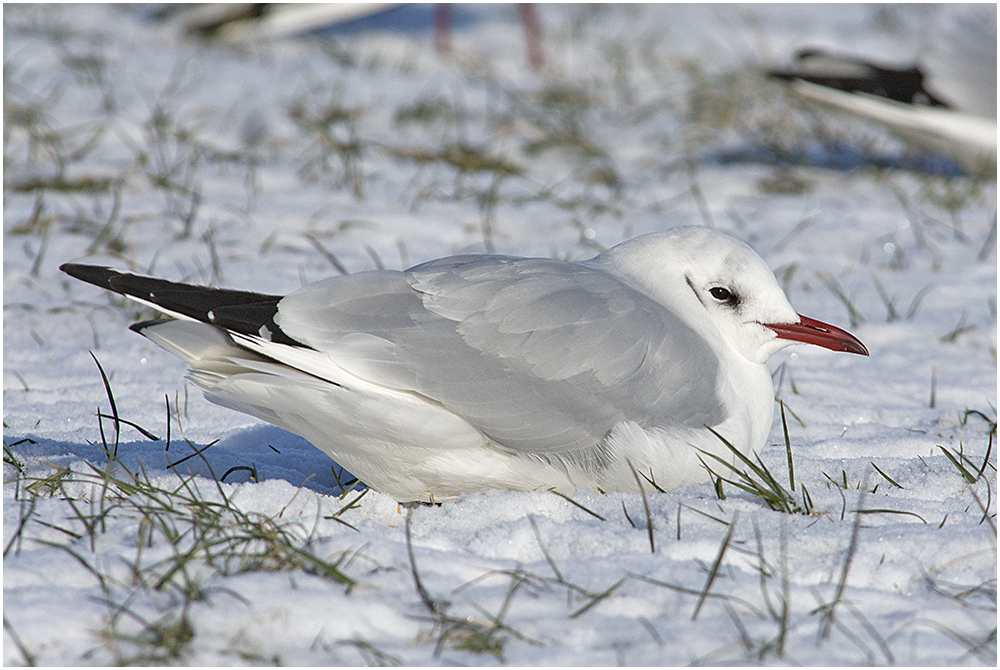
(693, 289)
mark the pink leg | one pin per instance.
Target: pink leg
(532, 34)
(442, 27)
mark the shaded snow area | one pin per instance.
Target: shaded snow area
(212, 538)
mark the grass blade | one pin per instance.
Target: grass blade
(598, 598)
(645, 504)
(828, 610)
(958, 464)
(887, 477)
(986, 459)
(788, 446)
(327, 254)
(714, 571)
(831, 283)
(570, 500)
(111, 399)
(545, 552)
(889, 511)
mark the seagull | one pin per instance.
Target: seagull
(246, 23)
(946, 105)
(480, 372)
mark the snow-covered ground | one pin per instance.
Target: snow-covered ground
(263, 166)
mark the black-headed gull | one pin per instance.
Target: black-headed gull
(947, 105)
(257, 21)
(475, 372)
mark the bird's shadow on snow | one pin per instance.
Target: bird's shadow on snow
(833, 156)
(256, 452)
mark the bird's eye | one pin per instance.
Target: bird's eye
(721, 294)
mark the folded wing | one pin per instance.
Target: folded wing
(542, 356)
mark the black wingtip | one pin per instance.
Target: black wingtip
(92, 274)
(239, 311)
(140, 326)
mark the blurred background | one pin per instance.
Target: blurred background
(264, 147)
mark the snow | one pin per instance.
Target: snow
(246, 166)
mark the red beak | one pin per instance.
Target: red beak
(811, 331)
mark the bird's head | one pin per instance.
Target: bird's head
(733, 288)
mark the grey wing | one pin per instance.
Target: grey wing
(542, 356)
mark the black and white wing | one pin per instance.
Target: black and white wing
(543, 357)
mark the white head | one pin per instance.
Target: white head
(709, 275)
